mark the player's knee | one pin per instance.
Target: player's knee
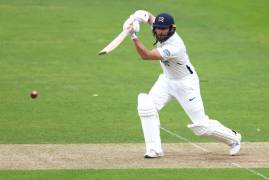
(202, 128)
(145, 105)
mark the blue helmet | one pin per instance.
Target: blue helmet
(163, 21)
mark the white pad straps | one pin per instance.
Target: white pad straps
(145, 106)
(150, 123)
(215, 129)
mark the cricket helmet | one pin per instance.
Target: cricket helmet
(163, 21)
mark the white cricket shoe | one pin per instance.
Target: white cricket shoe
(153, 154)
(235, 147)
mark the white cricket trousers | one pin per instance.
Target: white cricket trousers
(185, 90)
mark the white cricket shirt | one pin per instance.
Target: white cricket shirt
(175, 63)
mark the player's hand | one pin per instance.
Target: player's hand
(126, 25)
(134, 29)
(132, 25)
(141, 16)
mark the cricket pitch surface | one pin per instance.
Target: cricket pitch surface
(124, 156)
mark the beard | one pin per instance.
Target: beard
(161, 37)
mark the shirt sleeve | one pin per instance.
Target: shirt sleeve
(167, 52)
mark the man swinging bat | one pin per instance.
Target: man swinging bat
(178, 81)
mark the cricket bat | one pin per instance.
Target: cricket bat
(115, 43)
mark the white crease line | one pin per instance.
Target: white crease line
(251, 170)
(185, 139)
(205, 150)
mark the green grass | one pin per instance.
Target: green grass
(52, 46)
(150, 174)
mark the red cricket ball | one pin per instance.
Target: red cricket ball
(34, 94)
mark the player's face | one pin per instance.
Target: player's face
(161, 33)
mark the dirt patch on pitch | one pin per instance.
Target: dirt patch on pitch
(122, 156)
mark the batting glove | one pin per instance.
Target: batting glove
(134, 29)
(126, 25)
(141, 16)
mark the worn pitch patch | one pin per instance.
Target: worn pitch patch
(124, 156)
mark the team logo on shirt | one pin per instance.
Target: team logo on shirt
(165, 62)
(166, 52)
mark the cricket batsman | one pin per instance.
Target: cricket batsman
(178, 81)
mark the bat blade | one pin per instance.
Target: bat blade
(115, 43)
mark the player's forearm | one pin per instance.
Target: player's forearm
(145, 53)
(141, 49)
